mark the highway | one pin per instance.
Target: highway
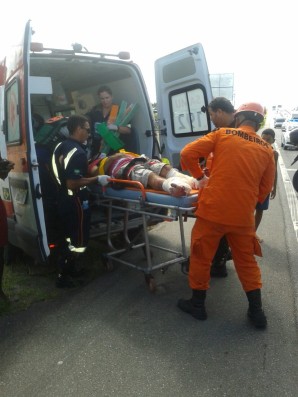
(114, 337)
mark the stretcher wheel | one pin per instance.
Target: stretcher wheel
(150, 281)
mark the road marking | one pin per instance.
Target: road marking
(290, 192)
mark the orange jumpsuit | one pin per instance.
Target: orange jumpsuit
(243, 171)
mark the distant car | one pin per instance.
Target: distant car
(294, 138)
(290, 124)
(289, 135)
(278, 122)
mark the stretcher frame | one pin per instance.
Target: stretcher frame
(135, 199)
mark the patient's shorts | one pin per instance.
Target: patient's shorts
(140, 172)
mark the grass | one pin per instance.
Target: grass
(23, 289)
(25, 283)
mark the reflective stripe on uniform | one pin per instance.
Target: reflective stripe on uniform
(66, 160)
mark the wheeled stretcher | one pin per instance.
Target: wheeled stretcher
(145, 207)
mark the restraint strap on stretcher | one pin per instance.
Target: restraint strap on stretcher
(101, 168)
(127, 170)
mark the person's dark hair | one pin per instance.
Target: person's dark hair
(104, 88)
(221, 103)
(269, 131)
(76, 121)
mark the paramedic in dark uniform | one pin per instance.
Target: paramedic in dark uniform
(70, 167)
(104, 112)
(243, 171)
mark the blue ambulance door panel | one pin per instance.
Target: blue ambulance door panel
(183, 91)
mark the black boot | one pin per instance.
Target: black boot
(64, 279)
(218, 266)
(255, 311)
(219, 269)
(196, 305)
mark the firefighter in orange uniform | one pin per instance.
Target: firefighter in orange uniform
(243, 171)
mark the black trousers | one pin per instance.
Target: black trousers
(222, 250)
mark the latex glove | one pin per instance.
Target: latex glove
(103, 180)
(202, 182)
(112, 127)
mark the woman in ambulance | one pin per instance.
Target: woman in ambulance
(105, 112)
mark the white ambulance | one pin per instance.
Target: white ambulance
(53, 82)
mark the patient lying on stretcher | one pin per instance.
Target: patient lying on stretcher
(151, 173)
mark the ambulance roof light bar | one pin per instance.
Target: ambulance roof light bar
(77, 48)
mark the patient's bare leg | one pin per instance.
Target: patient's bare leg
(169, 172)
(175, 186)
(155, 181)
(166, 169)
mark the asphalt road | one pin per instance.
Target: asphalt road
(115, 338)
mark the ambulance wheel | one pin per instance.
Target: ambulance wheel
(150, 281)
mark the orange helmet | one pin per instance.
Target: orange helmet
(252, 107)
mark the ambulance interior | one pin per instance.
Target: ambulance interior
(68, 85)
(62, 86)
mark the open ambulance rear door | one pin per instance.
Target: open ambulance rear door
(183, 92)
(24, 205)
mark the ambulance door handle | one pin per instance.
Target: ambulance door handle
(34, 164)
(38, 194)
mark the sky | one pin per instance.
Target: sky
(254, 40)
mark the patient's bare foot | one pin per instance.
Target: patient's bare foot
(178, 191)
(192, 182)
(176, 186)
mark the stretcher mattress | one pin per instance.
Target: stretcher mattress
(153, 197)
